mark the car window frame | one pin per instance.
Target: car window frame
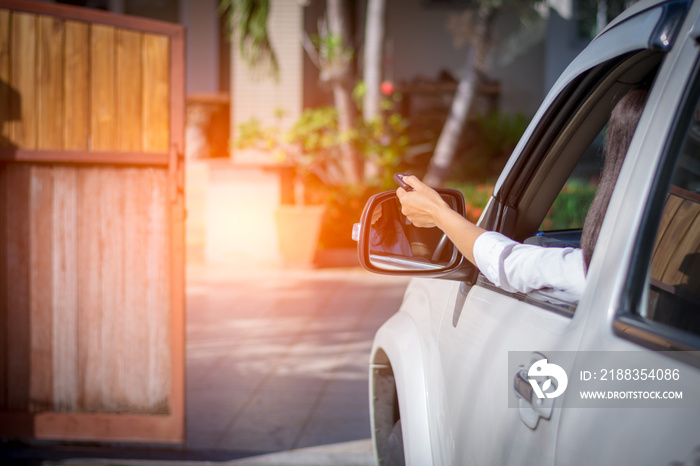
(546, 136)
(628, 323)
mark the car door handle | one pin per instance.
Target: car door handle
(531, 408)
(522, 387)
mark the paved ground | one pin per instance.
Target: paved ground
(277, 359)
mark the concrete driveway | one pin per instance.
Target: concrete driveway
(277, 359)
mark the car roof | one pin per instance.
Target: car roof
(637, 8)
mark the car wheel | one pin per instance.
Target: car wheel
(393, 450)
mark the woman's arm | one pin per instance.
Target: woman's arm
(425, 208)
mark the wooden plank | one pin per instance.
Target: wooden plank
(4, 329)
(136, 310)
(18, 340)
(76, 87)
(65, 289)
(156, 93)
(84, 157)
(89, 290)
(681, 260)
(111, 231)
(147, 307)
(5, 79)
(40, 288)
(106, 427)
(24, 130)
(158, 291)
(103, 105)
(129, 74)
(177, 235)
(5, 118)
(50, 86)
(659, 259)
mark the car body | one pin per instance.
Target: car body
(449, 370)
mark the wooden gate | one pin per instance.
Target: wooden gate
(91, 225)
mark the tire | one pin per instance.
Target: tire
(393, 448)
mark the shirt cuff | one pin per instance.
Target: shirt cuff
(489, 247)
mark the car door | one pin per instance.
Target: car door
(488, 339)
(640, 352)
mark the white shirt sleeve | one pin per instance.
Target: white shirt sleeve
(521, 267)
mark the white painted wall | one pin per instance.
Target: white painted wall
(260, 96)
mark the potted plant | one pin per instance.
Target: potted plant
(311, 146)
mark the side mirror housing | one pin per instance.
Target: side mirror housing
(388, 243)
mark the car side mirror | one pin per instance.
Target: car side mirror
(388, 243)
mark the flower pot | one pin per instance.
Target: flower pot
(298, 230)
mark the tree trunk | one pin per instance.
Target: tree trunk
(461, 104)
(374, 55)
(337, 12)
(373, 64)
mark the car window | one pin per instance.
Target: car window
(568, 212)
(673, 283)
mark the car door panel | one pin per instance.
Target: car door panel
(474, 356)
(654, 435)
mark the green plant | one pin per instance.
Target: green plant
(248, 20)
(313, 146)
(476, 195)
(330, 51)
(252, 135)
(385, 139)
(568, 212)
(486, 145)
(570, 207)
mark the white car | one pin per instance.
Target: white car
(467, 373)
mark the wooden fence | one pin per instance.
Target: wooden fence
(91, 225)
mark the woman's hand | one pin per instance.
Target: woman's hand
(423, 206)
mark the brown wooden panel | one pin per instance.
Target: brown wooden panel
(147, 288)
(660, 255)
(114, 427)
(49, 88)
(94, 257)
(24, 64)
(157, 288)
(129, 74)
(103, 105)
(76, 86)
(40, 288)
(65, 289)
(89, 290)
(156, 93)
(136, 309)
(18, 339)
(83, 157)
(5, 79)
(684, 248)
(4, 381)
(5, 117)
(177, 233)
(670, 207)
(111, 231)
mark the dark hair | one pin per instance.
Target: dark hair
(623, 122)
